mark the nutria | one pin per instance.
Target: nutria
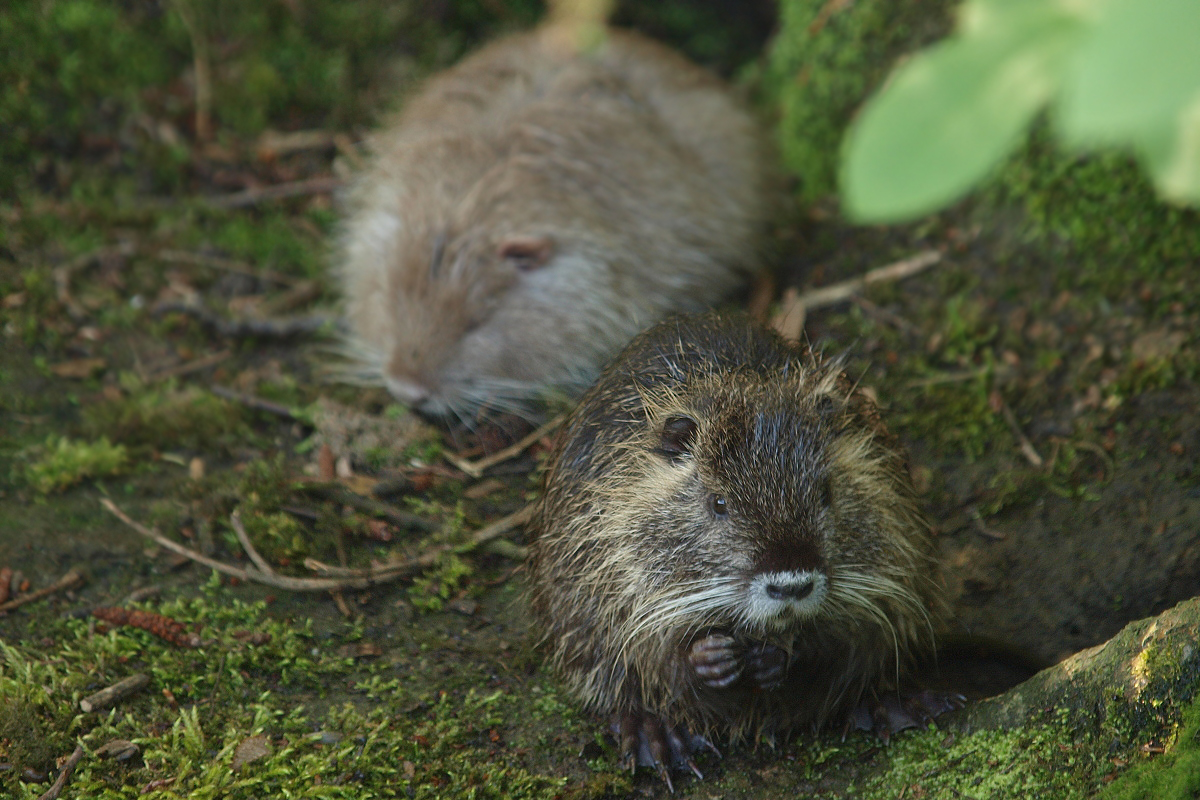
(728, 542)
(534, 207)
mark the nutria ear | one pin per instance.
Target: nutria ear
(678, 434)
(527, 253)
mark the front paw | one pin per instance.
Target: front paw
(716, 659)
(768, 664)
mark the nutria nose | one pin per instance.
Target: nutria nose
(794, 590)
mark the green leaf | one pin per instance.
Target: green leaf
(1172, 157)
(1135, 82)
(1135, 74)
(954, 111)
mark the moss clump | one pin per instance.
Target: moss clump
(824, 61)
(1038, 759)
(1070, 204)
(63, 462)
(67, 66)
(431, 591)
(1172, 775)
(166, 416)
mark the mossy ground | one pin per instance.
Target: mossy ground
(1085, 330)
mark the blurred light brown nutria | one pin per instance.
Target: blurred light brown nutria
(728, 542)
(534, 207)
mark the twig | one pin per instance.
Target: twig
(350, 579)
(338, 493)
(476, 468)
(248, 327)
(256, 403)
(252, 575)
(64, 775)
(201, 69)
(889, 317)
(482, 536)
(235, 520)
(273, 144)
(188, 367)
(1027, 449)
(965, 375)
(838, 292)
(111, 695)
(224, 265)
(981, 526)
(68, 581)
(280, 191)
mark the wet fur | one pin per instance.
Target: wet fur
(636, 164)
(628, 568)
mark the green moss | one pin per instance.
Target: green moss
(824, 61)
(67, 66)
(1172, 775)
(166, 416)
(63, 462)
(250, 678)
(1044, 760)
(431, 591)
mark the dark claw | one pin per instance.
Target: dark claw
(768, 664)
(644, 740)
(716, 659)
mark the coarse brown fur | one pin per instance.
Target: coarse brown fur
(631, 565)
(534, 207)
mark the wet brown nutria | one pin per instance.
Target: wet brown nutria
(727, 542)
(536, 206)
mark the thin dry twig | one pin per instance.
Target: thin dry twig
(1027, 448)
(966, 375)
(253, 575)
(888, 317)
(188, 367)
(482, 536)
(224, 265)
(279, 191)
(476, 468)
(68, 581)
(338, 493)
(64, 775)
(256, 403)
(838, 292)
(349, 579)
(235, 520)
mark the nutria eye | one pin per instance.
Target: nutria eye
(718, 506)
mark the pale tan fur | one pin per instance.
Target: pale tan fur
(638, 167)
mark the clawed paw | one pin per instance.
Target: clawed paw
(768, 664)
(717, 660)
(644, 740)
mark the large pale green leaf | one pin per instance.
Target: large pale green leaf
(1136, 72)
(952, 113)
(1172, 157)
